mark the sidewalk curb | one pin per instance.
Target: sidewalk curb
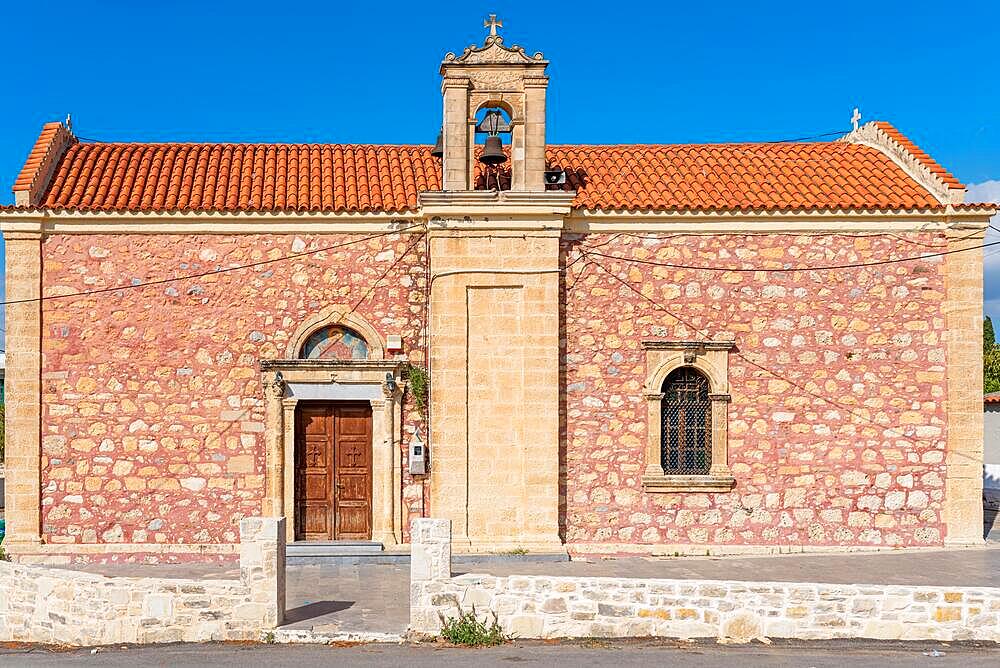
(307, 637)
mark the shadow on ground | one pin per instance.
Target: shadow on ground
(317, 609)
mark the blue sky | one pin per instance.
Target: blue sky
(621, 72)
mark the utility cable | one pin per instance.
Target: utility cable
(873, 263)
(213, 272)
(742, 356)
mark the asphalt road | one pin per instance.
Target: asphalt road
(595, 653)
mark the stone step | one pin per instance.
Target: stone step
(401, 555)
(333, 548)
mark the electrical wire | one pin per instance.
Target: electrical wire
(819, 136)
(660, 237)
(855, 265)
(223, 270)
(704, 332)
(385, 273)
(378, 280)
(754, 141)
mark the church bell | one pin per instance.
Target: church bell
(438, 150)
(493, 152)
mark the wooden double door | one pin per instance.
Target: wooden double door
(333, 471)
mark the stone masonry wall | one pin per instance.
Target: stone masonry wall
(837, 420)
(72, 608)
(563, 607)
(152, 418)
(586, 607)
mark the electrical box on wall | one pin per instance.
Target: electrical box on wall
(418, 455)
(394, 343)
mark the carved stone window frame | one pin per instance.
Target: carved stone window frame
(712, 359)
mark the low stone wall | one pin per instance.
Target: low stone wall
(51, 605)
(560, 607)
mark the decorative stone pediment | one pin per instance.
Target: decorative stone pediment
(496, 80)
(493, 52)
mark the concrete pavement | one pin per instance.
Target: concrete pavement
(978, 567)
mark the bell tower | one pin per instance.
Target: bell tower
(494, 77)
(494, 299)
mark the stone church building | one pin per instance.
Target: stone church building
(618, 349)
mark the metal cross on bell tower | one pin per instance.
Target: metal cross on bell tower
(492, 24)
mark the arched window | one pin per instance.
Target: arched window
(686, 419)
(334, 342)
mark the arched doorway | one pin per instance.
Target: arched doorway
(333, 432)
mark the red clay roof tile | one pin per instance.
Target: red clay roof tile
(38, 152)
(926, 160)
(372, 178)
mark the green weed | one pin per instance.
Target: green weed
(467, 630)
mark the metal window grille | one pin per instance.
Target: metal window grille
(686, 415)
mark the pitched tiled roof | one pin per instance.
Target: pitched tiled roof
(35, 158)
(45, 154)
(368, 178)
(927, 161)
(826, 175)
(242, 177)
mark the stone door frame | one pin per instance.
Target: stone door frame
(288, 381)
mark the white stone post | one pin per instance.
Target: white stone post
(262, 565)
(430, 550)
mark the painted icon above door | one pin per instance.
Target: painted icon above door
(335, 342)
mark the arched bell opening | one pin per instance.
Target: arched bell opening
(492, 128)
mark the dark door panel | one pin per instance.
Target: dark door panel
(333, 471)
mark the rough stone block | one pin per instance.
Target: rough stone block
(430, 549)
(159, 606)
(525, 626)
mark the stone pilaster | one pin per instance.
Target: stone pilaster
(23, 391)
(494, 332)
(288, 405)
(534, 134)
(274, 392)
(654, 443)
(384, 465)
(457, 148)
(963, 503)
(720, 435)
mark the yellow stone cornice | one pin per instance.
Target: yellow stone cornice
(495, 211)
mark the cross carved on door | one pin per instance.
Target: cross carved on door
(352, 453)
(314, 455)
